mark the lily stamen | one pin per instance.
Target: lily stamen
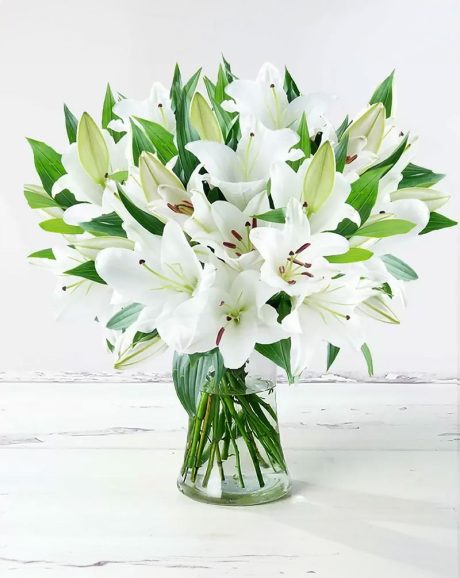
(219, 335)
(303, 247)
(236, 235)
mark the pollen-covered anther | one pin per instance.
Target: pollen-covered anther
(64, 288)
(303, 247)
(307, 274)
(173, 208)
(141, 261)
(282, 269)
(228, 318)
(252, 134)
(254, 223)
(236, 235)
(350, 158)
(221, 303)
(229, 245)
(219, 335)
(272, 85)
(292, 282)
(381, 212)
(160, 105)
(347, 317)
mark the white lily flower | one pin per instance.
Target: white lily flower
(287, 184)
(226, 229)
(239, 316)
(294, 258)
(243, 173)
(75, 298)
(157, 108)
(128, 352)
(161, 273)
(326, 316)
(266, 100)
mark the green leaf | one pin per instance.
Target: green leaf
(192, 373)
(37, 198)
(332, 352)
(119, 176)
(319, 178)
(279, 353)
(185, 133)
(304, 143)
(71, 123)
(216, 93)
(342, 128)
(353, 255)
(125, 317)
(398, 268)
(42, 254)
(66, 199)
(109, 224)
(140, 142)
(415, 176)
(362, 198)
(437, 221)
(88, 271)
(58, 226)
(228, 70)
(340, 152)
(273, 216)
(385, 228)
(92, 149)
(203, 120)
(162, 140)
(176, 88)
(368, 357)
(384, 94)
(47, 164)
(290, 87)
(148, 221)
(108, 115)
(110, 346)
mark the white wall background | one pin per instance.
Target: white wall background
(55, 51)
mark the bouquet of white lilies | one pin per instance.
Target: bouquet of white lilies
(233, 227)
(241, 221)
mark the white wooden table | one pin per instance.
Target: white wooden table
(87, 486)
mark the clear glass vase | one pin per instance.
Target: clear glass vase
(233, 454)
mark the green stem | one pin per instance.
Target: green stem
(203, 436)
(235, 446)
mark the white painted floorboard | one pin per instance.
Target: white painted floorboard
(87, 486)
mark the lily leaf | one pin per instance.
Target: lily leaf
(140, 142)
(436, 222)
(353, 255)
(162, 140)
(340, 152)
(185, 131)
(279, 353)
(368, 357)
(332, 352)
(92, 149)
(398, 268)
(88, 271)
(204, 120)
(38, 198)
(66, 199)
(342, 128)
(273, 216)
(415, 176)
(125, 317)
(320, 177)
(148, 221)
(384, 94)
(71, 123)
(304, 143)
(42, 254)
(58, 226)
(385, 228)
(109, 224)
(176, 88)
(192, 373)
(290, 87)
(47, 164)
(108, 115)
